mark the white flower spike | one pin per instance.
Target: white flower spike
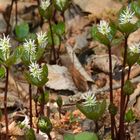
(35, 70)
(61, 3)
(135, 47)
(127, 16)
(42, 39)
(45, 4)
(30, 48)
(103, 27)
(5, 46)
(90, 99)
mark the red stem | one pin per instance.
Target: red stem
(5, 102)
(122, 102)
(127, 97)
(111, 93)
(43, 101)
(53, 45)
(30, 96)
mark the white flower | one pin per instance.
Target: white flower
(61, 3)
(30, 48)
(35, 70)
(127, 16)
(90, 99)
(45, 4)
(42, 39)
(135, 47)
(5, 46)
(103, 27)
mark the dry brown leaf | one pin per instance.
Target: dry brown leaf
(78, 79)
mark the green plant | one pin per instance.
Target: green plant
(8, 57)
(81, 136)
(105, 34)
(47, 10)
(45, 125)
(29, 134)
(59, 102)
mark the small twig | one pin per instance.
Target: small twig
(9, 17)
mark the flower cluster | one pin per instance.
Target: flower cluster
(42, 39)
(5, 46)
(127, 16)
(90, 99)
(135, 47)
(103, 27)
(61, 3)
(35, 70)
(30, 48)
(45, 4)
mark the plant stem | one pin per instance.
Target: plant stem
(127, 97)
(122, 102)
(5, 102)
(96, 127)
(36, 111)
(16, 11)
(53, 45)
(59, 110)
(30, 97)
(50, 138)
(111, 93)
(43, 101)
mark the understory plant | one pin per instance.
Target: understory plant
(105, 32)
(49, 9)
(8, 57)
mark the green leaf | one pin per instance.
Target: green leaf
(45, 124)
(127, 28)
(112, 109)
(129, 116)
(132, 58)
(69, 137)
(0, 114)
(22, 31)
(93, 112)
(30, 134)
(128, 88)
(86, 136)
(39, 53)
(2, 72)
(55, 38)
(136, 8)
(59, 28)
(99, 36)
(37, 82)
(47, 14)
(81, 136)
(59, 101)
(62, 6)
(43, 98)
